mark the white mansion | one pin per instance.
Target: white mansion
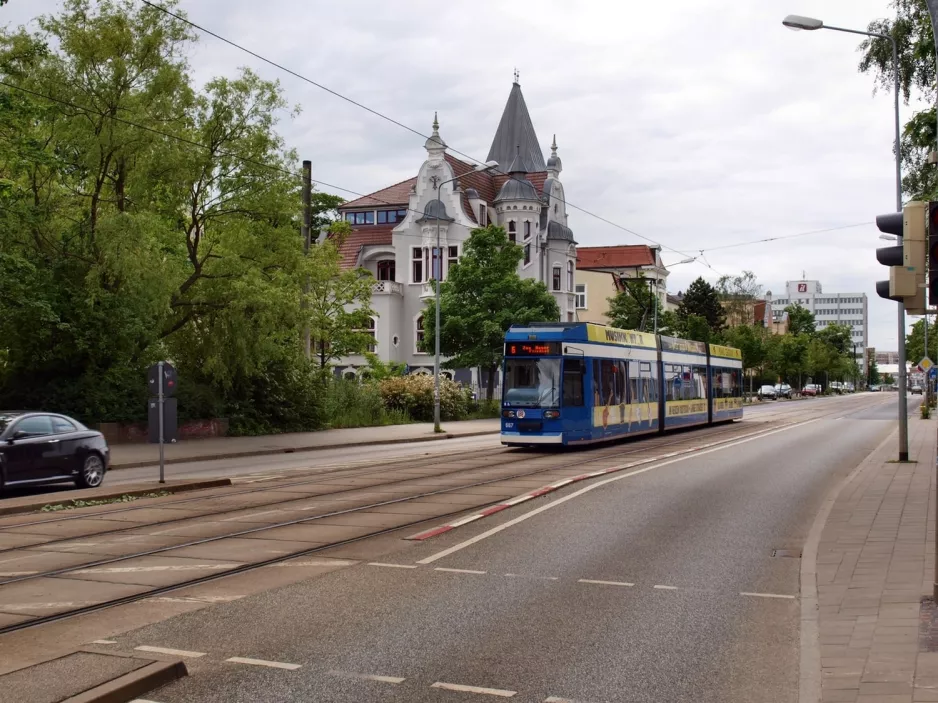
(395, 229)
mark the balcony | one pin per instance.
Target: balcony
(428, 290)
(387, 288)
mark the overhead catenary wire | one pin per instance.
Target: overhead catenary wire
(387, 118)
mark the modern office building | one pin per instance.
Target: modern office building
(849, 309)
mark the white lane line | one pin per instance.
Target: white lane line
(7, 607)
(313, 562)
(665, 588)
(601, 583)
(533, 576)
(142, 700)
(392, 566)
(104, 642)
(555, 699)
(139, 569)
(767, 595)
(593, 486)
(458, 571)
(193, 599)
(502, 693)
(11, 574)
(167, 650)
(368, 677)
(263, 662)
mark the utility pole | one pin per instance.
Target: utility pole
(307, 217)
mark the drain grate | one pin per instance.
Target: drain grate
(790, 553)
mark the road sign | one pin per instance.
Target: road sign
(925, 364)
(933, 372)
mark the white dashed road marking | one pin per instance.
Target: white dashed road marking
(392, 566)
(139, 569)
(458, 571)
(166, 650)
(600, 583)
(104, 642)
(312, 562)
(474, 689)
(368, 677)
(767, 595)
(666, 588)
(262, 662)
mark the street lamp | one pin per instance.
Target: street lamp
(438, 274)
(797, 22)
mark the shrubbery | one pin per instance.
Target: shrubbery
(414, 395)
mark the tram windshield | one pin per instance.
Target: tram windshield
(532, 383)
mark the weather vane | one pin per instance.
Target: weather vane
(517, 75)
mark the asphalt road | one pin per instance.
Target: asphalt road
(660, 585)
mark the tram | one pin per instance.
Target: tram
(580, 382)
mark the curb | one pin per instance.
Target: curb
(809, 687)
(179, 488)
(290, 450)
(132, 685)
(551, 487)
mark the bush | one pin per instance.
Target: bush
(414, 395)
(350, 403)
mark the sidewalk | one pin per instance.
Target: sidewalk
(874, 572)
(126, 456)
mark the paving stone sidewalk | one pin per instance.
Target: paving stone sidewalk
(875, 567)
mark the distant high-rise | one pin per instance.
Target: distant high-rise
(849, 309)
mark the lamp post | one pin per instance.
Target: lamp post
(438, 274)
(797, 22)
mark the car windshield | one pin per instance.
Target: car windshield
(532, 383)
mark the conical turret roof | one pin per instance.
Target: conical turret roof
(515, 136)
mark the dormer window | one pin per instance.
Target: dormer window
(360, 218)
(390, 217)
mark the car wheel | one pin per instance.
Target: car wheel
(92, 472)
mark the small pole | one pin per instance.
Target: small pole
(160, 402)
(307, 217)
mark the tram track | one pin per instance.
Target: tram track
(580, 463)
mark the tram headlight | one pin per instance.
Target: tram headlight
(510, 414)
(551, 414)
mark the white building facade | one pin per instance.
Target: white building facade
(849, 309)
(395, 232)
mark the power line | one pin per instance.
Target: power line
(787, 236)
(393, 121)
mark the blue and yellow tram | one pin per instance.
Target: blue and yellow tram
(577, 383)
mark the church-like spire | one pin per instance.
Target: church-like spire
(515, 135)
(435, 144)
(554, 164)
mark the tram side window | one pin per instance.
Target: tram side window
(673, 375)
(613, 385)
(649, 371)
(700, 382)
(635, 383)
(622, 380)
(573, 375)
(727, 383)
(737, 383)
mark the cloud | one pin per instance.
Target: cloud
(697, 123)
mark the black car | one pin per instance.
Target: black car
(38, 448)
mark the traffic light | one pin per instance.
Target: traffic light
(169, 380)
(933, 253)
(907, 261)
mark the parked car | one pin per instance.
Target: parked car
(811, 389)
(767, 392)
(38, 448)
(916, 390)
(874, 389)
(783, 390)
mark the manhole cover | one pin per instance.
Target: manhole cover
(790, 553)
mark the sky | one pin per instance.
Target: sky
(694, 123)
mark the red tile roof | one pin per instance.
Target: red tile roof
(362, 237)
(623, 256)
(397, 194)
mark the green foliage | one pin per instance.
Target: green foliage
(915, 342)
(737, 295)
(911, 27)
(701, 300)
(695, 327)
(888, 379)
(378, 370)
(481, 298)
(873, 379)
(633, 307)
(800, 320)
(413, 395)
(350, 403)
(752, 342)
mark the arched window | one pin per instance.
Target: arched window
(418, 329)
(555, 283)
(512, 230)
(386, 270)
(527, 229)
(372, 330)
(570, 276)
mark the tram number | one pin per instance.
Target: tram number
(509, 425)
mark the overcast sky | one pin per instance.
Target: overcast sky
(696, 123)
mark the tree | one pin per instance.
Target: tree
(888, 379)
(751, 342)
(788, 356)
(738, 295)
(800, 320)
(482, 296)
(873, 376)
(912, 30)
(634, 307)
(915, 342)
(339, 303)
(701, 299)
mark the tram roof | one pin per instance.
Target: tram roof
(580, 332)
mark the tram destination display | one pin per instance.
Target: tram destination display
(532, 349)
